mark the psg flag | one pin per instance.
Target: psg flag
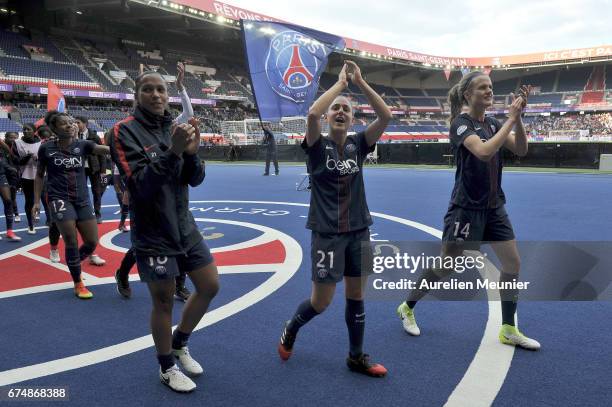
(55, 98)
(285, 64)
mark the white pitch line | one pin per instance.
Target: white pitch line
(257, 268)
(277, 280)
(483, 378)
(107, 239)
(22, 249)
(246, 269)
(59, 266)
(487, 372)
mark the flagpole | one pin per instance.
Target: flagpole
(246, 55)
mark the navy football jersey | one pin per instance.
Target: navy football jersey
(337, 200)
(3, 164)
(477, 183)
(66, 169)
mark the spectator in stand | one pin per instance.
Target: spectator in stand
(598, 124)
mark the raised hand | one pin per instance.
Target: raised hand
(524, 92)
(194, 142)
(342, 76)
(35, 212)
(516, 107)
(353, 72)
(180, 76)
(181, 137)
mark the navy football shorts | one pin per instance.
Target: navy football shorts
(157, 268)
(338, 255)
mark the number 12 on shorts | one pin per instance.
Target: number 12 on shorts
(62, 205)
(465, 231)
(321, 262)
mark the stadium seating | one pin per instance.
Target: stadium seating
(410, 92)
(597, 79)
(573, 78)
(544, 80)
(103, 80)
(592, 97)
(505, 87)
(12, 44)
(9, 125)
(551, 99)
(437, 92)
(73, 67)
(76, 56)
(22, 70)
(422, 102)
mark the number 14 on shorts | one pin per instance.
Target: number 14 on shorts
(464, 231)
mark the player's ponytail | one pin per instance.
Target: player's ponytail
(456, 95)
(455, 101)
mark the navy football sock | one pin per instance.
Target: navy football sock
(179, 339)
(304, 313)
(85, 251)
(354, 316)
(165, 361)
(74, 263)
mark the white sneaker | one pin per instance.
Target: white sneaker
(176, 380)
(17, 218)
(54, 256)
(191, 366)
(31, 231)
(510, 335)
(96, 260)
(408, 320)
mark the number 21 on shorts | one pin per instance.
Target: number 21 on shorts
(465, 230)
(322, 256)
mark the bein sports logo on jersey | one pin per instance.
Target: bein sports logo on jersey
(344, 167)
(68, 162)
(291, 64)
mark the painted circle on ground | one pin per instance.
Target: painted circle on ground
(279, 278)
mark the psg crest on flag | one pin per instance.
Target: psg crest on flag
(285, 64)
(292, 63)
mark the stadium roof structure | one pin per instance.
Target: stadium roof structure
(230, 15)
(216, 23)
(206, 33)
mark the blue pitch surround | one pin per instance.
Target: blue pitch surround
(239, 352)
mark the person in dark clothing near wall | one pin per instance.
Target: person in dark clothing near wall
(270, 142)
(95, 166)
(9, 140)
